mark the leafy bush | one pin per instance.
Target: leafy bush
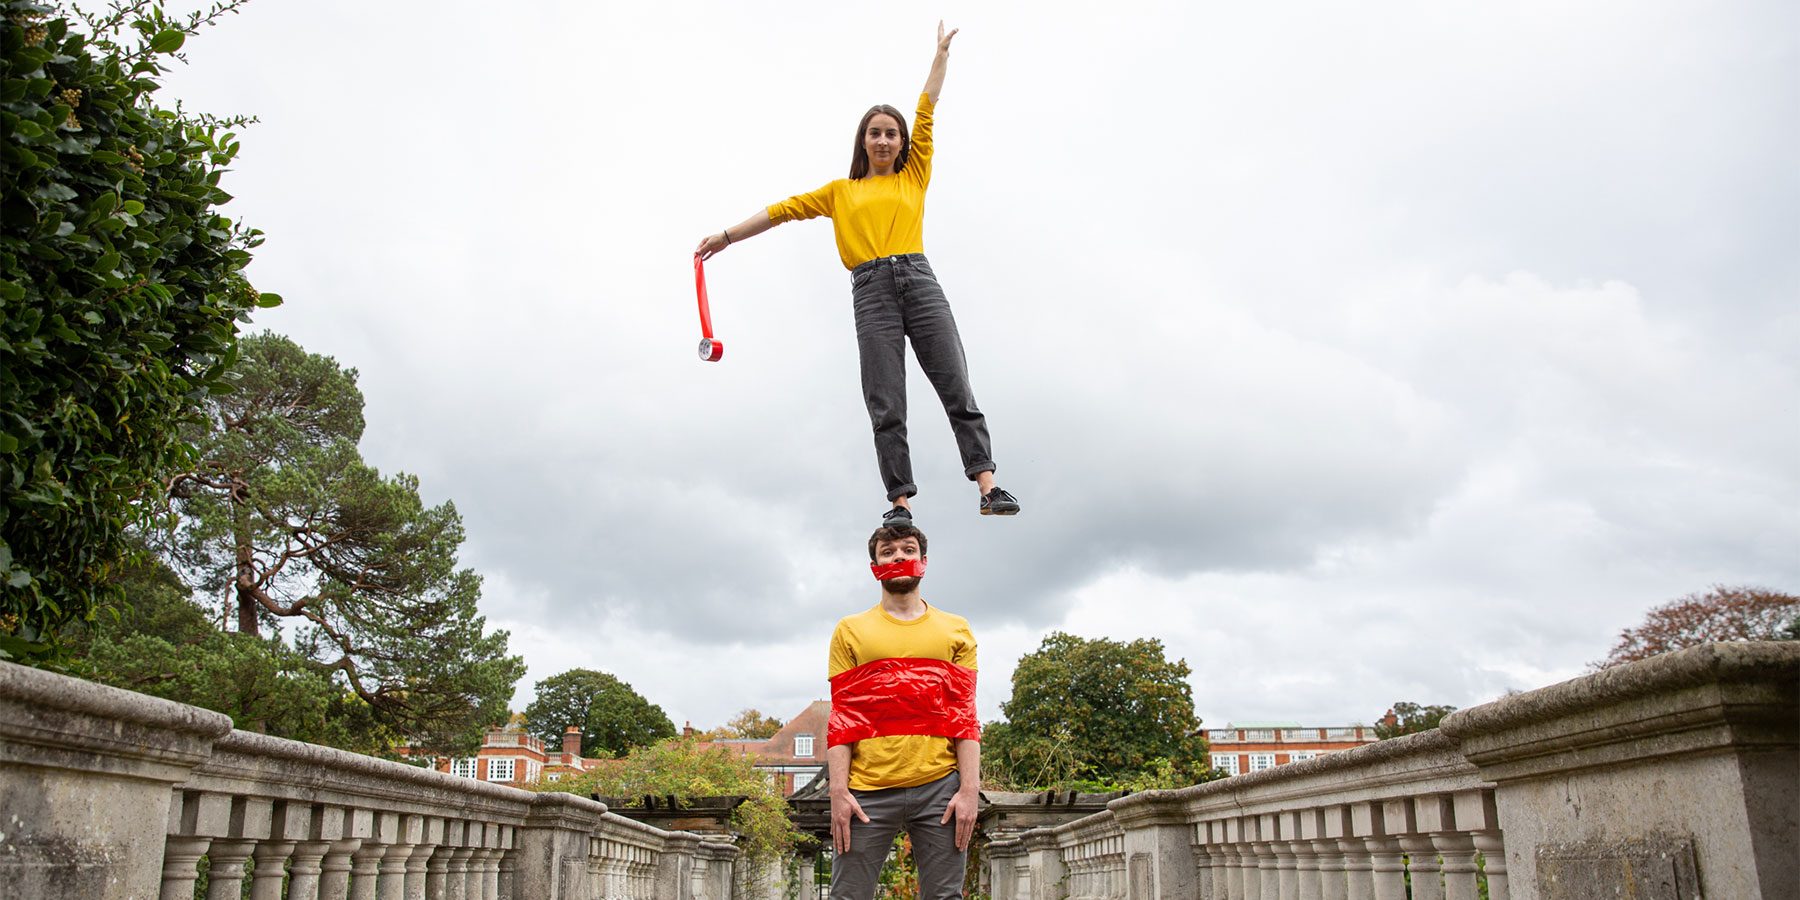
(121, 288)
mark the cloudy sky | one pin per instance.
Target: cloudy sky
(1360, 352)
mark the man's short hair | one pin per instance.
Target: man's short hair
(887, 533)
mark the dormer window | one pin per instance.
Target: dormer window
(803, 745)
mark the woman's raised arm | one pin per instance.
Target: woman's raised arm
(934, 82)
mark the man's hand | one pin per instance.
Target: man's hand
(962, 807)
(843, 806)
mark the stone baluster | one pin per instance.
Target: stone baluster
(595, 886)
(1249, 876)
(181, 866)
(225, 875)
(334, 870)
(290, 822)
(429, 835)
(1203, 881)
(391, 883)
(1245, 883)
(1387, 869)
(1331, 870)
(1493, 859)
(457, 879)
(509, 865)
(1287, 865)
(1306, 871)
(1435, 817)
(365, 870)
(437, 869)
(1358, 883)
(490, 873)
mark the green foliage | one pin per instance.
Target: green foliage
(162, 644)
(120, 294)
(681, 768)
(281, 514)
(1412, 718)
(1096, 712)
(613, 717)
(746, 725)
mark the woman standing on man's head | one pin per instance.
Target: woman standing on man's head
(878, 217)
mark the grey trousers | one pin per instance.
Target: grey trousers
(920, 810)
(897, 298)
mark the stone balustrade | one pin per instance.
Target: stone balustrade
(109, 794)
(1675, 777)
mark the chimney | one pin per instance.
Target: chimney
(572, 741)
(687, 729)
(1390, 720)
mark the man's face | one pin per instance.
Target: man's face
(897, 551)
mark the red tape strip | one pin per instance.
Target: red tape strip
(906, 568)
(710, 348)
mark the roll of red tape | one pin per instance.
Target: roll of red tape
(711, 348)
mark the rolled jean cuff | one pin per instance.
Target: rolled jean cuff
(905, 490)
(975, 469)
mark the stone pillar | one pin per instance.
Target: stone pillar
(675, 869)
(303, 874)
(426, 835)
(1670, 767)
(553, 844)
(457, 878)
(1046, 863)
(1357, 879)
(1423, 872)
(1158, 845)
(85, 778)
(437, 873)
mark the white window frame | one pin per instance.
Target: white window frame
(502, 764)
(803, 746)
(553, 776)
(1225, 762)
(1259, 735)
(463, 768)
(1301, 755)
(1261, 761)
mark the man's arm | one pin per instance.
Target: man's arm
(934, 82)
(843, 803)
(967, 800)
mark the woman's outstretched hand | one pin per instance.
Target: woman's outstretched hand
(711, 244)
(944, 39)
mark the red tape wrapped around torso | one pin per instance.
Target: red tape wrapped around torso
(903, 696)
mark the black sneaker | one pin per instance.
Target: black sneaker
(899, 515)
(999, 503)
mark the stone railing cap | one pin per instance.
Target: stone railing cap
(48, 690)
(332, 759)
(1695, 666)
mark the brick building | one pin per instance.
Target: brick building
(510, 756)
(1242, 747)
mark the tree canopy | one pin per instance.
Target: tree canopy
(749, 724)
(121, 288)
(613, 717)
(1721, 614)
(280, 513)
(1098, 711)
(1411, 718)
(679, 767)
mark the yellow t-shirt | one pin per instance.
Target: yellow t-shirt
(876, 216)
(903, 760)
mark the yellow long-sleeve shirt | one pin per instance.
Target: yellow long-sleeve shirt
(900, 760)
(881, 215)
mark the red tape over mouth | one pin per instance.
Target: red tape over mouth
(906, 568)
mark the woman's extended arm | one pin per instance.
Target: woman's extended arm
(749, 228)
(935, 81)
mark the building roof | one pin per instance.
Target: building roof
(779, 750)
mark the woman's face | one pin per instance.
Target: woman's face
(881, 140)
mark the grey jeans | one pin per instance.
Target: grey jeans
(920, 810)
(897, 298)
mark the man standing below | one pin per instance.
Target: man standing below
(904, 741)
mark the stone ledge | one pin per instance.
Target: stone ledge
(54, 721)
(1707, 699)
(250, 764)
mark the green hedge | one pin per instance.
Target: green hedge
(121, 288)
